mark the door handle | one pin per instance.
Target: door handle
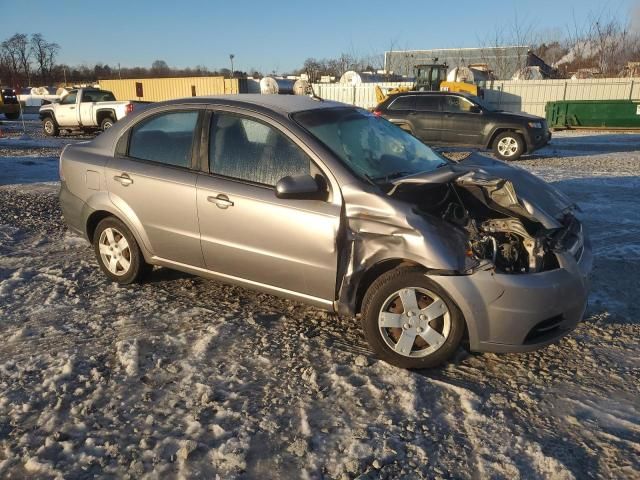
(221, 200)
(124, 179)
(72, 108)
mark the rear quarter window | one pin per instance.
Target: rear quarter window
(406, 102)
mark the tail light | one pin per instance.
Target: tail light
(129, 108)
(377, 113)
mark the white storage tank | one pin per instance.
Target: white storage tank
(301, 87)
(276, 86)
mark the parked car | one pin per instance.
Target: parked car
(442, 118)
(332, 206)
(9, 104)
(84, 109)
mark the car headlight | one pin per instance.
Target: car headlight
(535, 124)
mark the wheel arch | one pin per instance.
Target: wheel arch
(48, 114)
(386, 265)
(96, 215)
(379, 268)
(105, 113)
(499, 130)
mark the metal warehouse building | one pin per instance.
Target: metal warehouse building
(159, 89)
(504, 61)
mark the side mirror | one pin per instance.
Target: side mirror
(301, 187)
(475, 109)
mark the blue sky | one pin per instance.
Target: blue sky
(279, 35)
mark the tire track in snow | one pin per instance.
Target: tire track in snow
(504, 460)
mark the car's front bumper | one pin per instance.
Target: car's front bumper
(537, 138)
(518, 313)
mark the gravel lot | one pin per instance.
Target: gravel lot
(183, 376)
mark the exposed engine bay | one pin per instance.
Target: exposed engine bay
(499, 227)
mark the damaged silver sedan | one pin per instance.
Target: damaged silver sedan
(329, 205)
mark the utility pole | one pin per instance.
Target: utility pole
(231, 57)
(119, 72)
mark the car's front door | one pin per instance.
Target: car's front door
(246, 231)
(462, 124)
(66, 110)
(154, 185)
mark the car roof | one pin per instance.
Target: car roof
(284, 104)
(438, 93)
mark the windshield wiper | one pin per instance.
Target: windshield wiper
(390, 176)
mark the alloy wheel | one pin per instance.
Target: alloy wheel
(508, 146)
(114, 251)
(414, 322)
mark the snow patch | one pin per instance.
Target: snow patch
(127, 354)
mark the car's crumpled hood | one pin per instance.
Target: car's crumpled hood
(507, 187)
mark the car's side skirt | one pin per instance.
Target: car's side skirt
(277, 291)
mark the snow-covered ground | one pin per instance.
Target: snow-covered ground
(186, 377)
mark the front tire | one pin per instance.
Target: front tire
(50, 127)
(118, 253)
(508, 146)
(106, 123)
(410, 321)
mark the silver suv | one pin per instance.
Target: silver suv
(332, 206)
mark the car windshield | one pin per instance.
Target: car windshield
(370, 146)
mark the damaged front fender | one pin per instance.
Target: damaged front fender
(380, 229)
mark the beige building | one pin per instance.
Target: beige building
(159, 89)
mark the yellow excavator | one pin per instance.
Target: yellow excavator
(431, 77)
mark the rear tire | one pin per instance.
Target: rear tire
(508, 146)
(12, 116)
(50, 127)
(106, 123)
(118, 253)
(410, 321)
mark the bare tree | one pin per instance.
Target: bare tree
(160, 67)
(44, 53)
(11, 58)
(19, 44)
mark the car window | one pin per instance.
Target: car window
(97, 96)
(456, 104)
(427, 103)
(403, 103)
(69, 99)
(164, 138)
(372, 147)
(253, 151)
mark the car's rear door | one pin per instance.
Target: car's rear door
(427, 118)
(153, 183)
(461, 125)
(247, 232)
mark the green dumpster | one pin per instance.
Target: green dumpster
(593, 114)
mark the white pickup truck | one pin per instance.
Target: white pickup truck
(83, 109)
